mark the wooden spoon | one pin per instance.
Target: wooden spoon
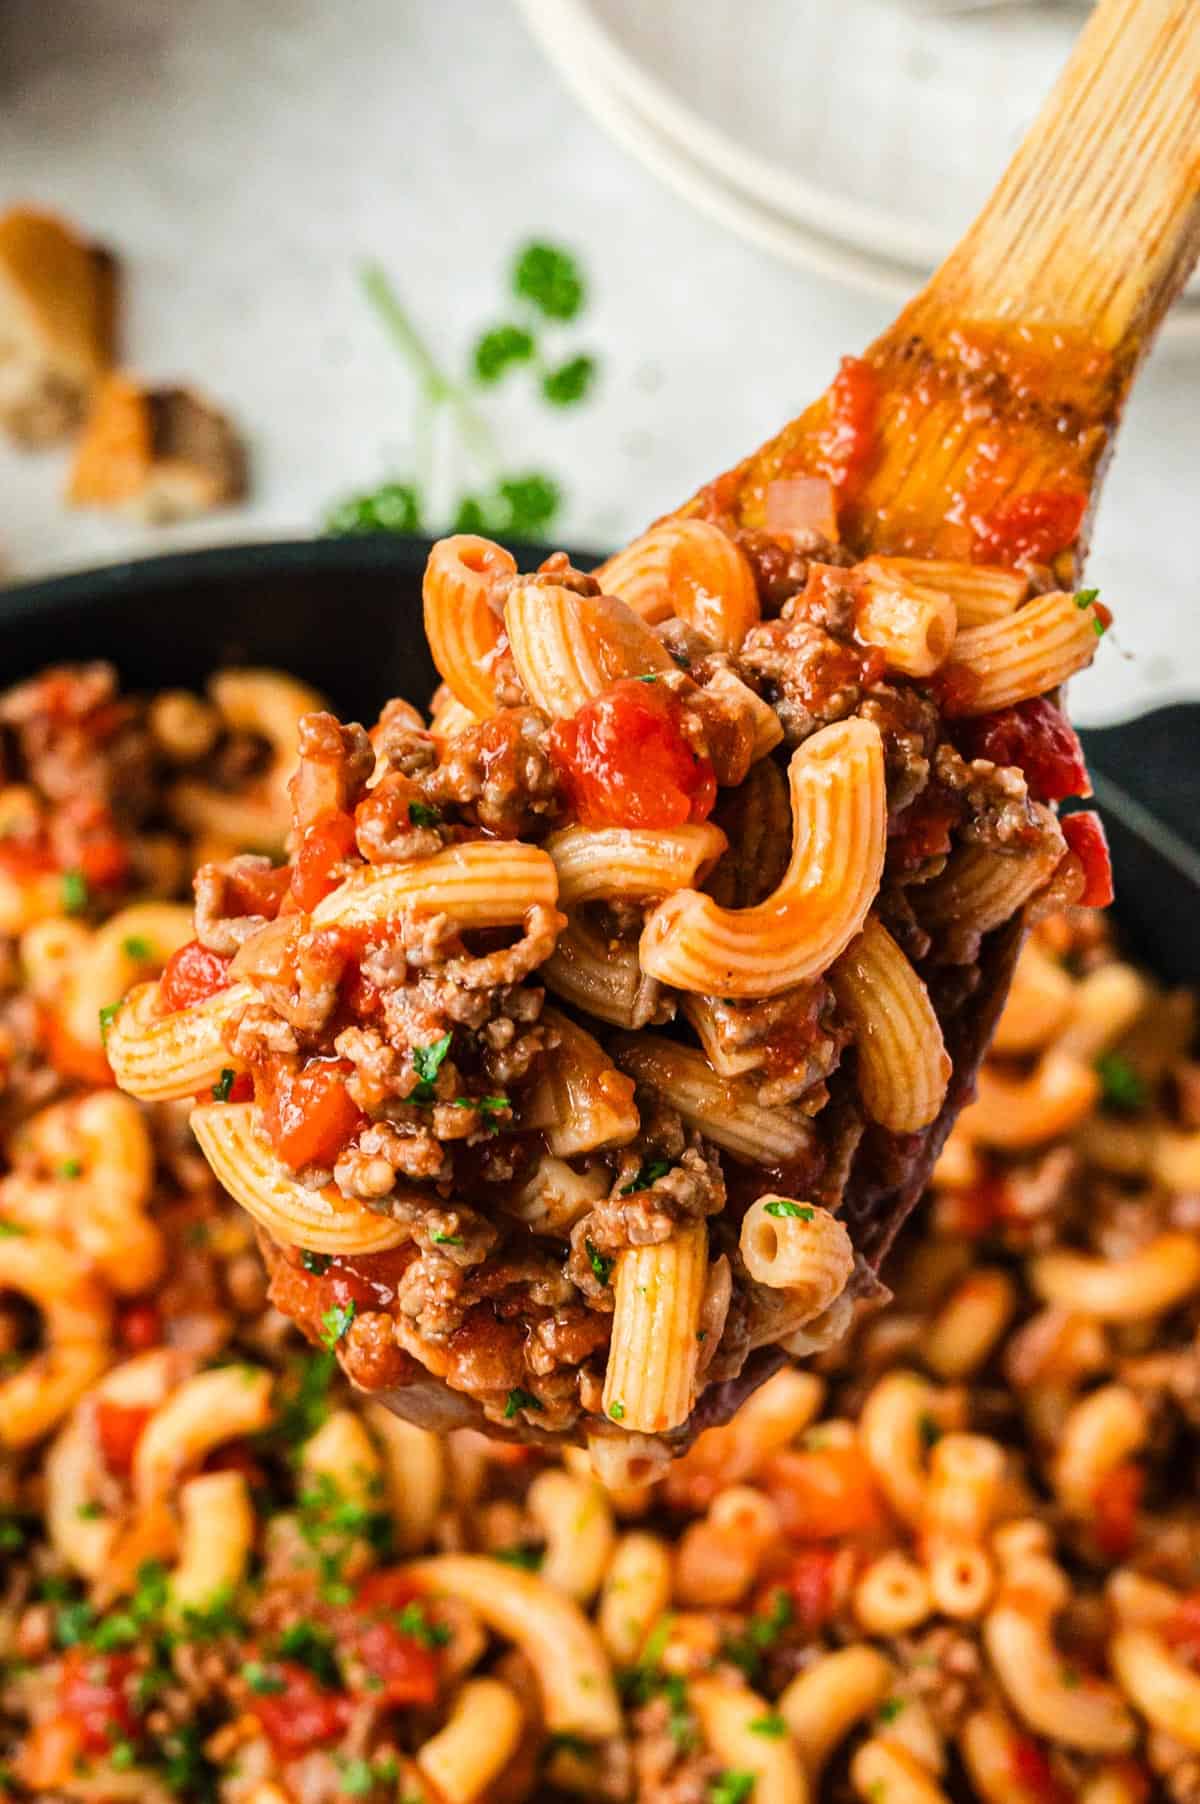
(978, 426)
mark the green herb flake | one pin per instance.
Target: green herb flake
(889, 1710)
(335, 1323)
(780, 1206)
(427, 1062)
(12, 1536)
(413, 1622)
(497, 351)
(928, 1429)
(601, 1267)
(137, 948)
(616, 1410)
(570, 382)
(550, 279)
(772, 1726)
(393, 507)
(90, 1511)
(10, 1230)
(1085, 597)
(70, 1168)
(518, 1400)
(317, 1263)
(446, 1240)
(732, 1786)
(108, 1015)
(224, 1084)
(525, 1556)
(420, 814)
(311, 1647)
(262, 1681)
(1124, 1091)
(651, 676)
(122, 1755)
(648, 1173)
(74, 892)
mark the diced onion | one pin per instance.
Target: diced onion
(798, 504)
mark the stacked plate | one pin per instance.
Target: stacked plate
(857, 137)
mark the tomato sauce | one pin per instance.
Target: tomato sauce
(93, 1692)
(309, 1115)
(1036, 736)
(627, 763)
(1115, 1509)
(192, 975)
(1086, 838)
(1029, 529)
(846, 443)
(808, 1582)
(323, 847)
(303, 1714)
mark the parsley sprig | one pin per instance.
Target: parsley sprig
(546, 291)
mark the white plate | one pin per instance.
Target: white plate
(851, 135)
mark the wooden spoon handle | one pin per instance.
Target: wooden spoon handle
(1096, 222)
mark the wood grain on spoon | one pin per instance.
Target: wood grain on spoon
(979, 424)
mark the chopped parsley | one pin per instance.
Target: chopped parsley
(74, 892)
(137, 948)
(427, 1062)
(122, 1755)
(890, 1709)
(305, 1401)
(601, 1266)
(526, 1556)
(359, 1777)
(758, 1637)
(392, 507)
(70, 1168)
(12, 1536)
(224, 1084)
(641, 1683)
(498, 350)
(421, 814)
(570, 382)
(90, 1512)
(518, 1399)
(780, 1206)
(10, 1230)
(108, 1015)
(648, 1173)
(550, 279)
(1085, 597)
(261, 1680)
(732, 1786)
(651, 676)
(772, 1726)
(616, 1410)
(446, 1240)
(311, 1647)
(317, 1263)
(928, 1429)
(335, 1323)
(413, 1622)
(1124, 1091)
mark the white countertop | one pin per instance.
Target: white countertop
(245, 160)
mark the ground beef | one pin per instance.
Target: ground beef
(798, 1032)
(335, 762)
(908, 725)
(998, 810)
(810, 678)
(781, 569)
(222, 923)
(81, 744)
(393, 825)
(693, 1189)
(942, 1667)
(498, 775)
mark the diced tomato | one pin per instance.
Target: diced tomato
(22, 858)
(1085, 835)
(824, 1493)
(846, 444)
(397, 1668)
(104, 860)
(70, 1057)
(1037, 737)
(323, 846)
(93, 1690)
(1182, 1627)
(809, 1584)
(627, 763)
(192, 975)
(1115, 1509)
(139, 1326)
(304, 1714)
(119, 1429)
(1031, 1769)
(1029, 529)
(309, 1114)
(253, 890)
(241, 1089)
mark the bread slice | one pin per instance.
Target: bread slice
(58, 307)
(158, 454)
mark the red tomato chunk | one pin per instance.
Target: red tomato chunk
(1115, 1509)
(809, 1585)
(309, 1115)
(93, 1693)
(1031, 1769)
(1085, 835)
(303, 1714)
(192, 975)
(139, 1326)
(627, 763)
(119, 1429)
(1037, 737)
(324, 845)
(1030, 529)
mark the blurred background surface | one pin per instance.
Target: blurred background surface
(246, 162)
